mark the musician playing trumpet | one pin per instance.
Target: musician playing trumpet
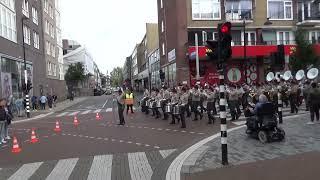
(210, 96)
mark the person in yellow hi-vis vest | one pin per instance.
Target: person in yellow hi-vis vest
(129, 98)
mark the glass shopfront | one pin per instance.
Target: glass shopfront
(12, 77)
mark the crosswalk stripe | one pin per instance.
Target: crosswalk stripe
(62, 114)
(63, 169)
(139, 166)
(86, 112)
(97, 111)
(74, 113)
(109, 110)
(239, 123)
(101, 168)
(166, 153)
(26, 171)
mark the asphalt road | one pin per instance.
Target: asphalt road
(142, 133)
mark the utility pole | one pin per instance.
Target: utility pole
(197, 58)
(25, 71)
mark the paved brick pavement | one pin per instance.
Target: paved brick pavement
(300, 138)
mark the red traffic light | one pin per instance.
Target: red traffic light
(225, 27)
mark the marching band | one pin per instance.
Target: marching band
(181, 101)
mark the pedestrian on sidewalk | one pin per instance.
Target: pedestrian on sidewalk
(43, 101)
(50, 101)
(121, 106)
(5, 120)
(314, 102)
(34, 100)
(55, 98)
(19, 106)
(129, 99)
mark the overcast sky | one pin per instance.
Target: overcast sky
(109, 29)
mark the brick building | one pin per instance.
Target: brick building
(267, 23)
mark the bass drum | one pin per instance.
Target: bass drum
(168, 108)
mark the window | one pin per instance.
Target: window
(314, 37)
(47, 27)
(161, 4)
(52, 31)
(8, 21)
(54, 69)
(163, 50)
(235, 8)
(49, 68)
(280, 9)
(206, 9)
(283, 37)
(26, 35)
(35, 15)
(250, 38)
(48, 46)
(36, 40)
(46, 6)
(53, 50)
(162, 26)
(51, 11)
(25, 8)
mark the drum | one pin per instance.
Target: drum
(159, 104)
(149, 103)
(177, 109)
(168, 108)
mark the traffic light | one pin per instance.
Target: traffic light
(225, 40)
(212, 49)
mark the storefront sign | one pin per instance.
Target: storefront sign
(172, 55)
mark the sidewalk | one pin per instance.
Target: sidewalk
(300, 138)
(60, 106)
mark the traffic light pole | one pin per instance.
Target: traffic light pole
(222, 107)
(25, 72)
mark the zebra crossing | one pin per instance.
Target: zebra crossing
(134, 166)
(84, 112)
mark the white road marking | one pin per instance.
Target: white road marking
(63, 169)
(74, 113)
(26, 171)
(166, 153)
(139, 166)
(101, 168)
(98, 110)
(109, 110)
(62, 114)
(105, 103)
(86, 112)
(239, 123)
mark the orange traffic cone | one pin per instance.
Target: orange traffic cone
(75, 121)
(15, 147)
(98, 116)
(57, 128)
(34, 138)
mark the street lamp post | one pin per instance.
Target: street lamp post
(245, 50)
(25, 70)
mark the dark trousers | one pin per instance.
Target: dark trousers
(195, 105)
(34, 106)
(211, 111)
(131, 107)
(43, 106)
(155, 111)
(165, 115)
(182, 116)
(120, 113)
(314, 111)
(293, 106)
(232, 107)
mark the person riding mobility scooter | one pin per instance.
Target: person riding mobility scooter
(262, 122)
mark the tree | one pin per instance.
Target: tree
(304, 55)
(116, 77)
(75, 74)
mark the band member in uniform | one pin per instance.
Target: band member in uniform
(184, 106)
(195, 93)
(293, 98)
(166, 96)
(174, 102)
(157, 99)
(232, 101)
(210, 95)
(121, 106)
(153, 97)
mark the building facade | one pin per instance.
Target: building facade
(21, 38)
(53, 48)
(263, 23)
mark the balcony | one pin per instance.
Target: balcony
(238, 15)
(308, 13)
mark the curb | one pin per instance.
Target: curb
(174, 170)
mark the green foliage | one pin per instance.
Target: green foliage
(75, 74)
(116, 77)
(304, 55)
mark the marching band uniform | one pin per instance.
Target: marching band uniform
(233, 98)
(174, 102)
(157, 98)
(210, 95)
(153, 96)
(184, 105)
(293, 98)
(166, 96)
(196, 102)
